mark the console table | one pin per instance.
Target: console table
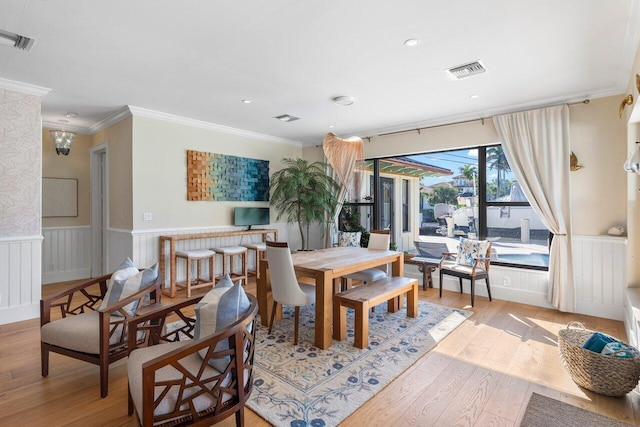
(171, 291)
(426, 267)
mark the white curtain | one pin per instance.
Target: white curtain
(536, 145)
(343, 154)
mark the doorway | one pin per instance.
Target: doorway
(99, 208)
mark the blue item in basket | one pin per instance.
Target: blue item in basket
(618, 349)
(597, 341)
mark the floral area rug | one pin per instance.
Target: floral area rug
(306, 386)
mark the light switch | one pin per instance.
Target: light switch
(146, 216)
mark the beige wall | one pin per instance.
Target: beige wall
(598, 191)
(597, 137)
(119, 140)
(160, 170)
(75, 165)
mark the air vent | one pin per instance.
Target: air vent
(287, 118)
(16, 40)
(467, 70)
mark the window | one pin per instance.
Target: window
(473, 193)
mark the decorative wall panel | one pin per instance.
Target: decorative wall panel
(226, 178)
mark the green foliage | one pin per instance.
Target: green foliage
(350, 221)
(497, 160)
(302, 193)
(443, 194)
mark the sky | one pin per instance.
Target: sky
(452, 160)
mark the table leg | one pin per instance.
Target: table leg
(161, 265)
(412, 301)
(397, 270)
(324, 309)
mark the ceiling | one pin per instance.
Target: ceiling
(200, 59)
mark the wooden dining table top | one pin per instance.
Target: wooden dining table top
(341, 259)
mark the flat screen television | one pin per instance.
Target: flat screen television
(250, 216)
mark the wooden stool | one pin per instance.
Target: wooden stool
(227, 267)
(261, 254)
(199, 282)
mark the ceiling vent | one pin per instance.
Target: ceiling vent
(467, 70)
(16, 40)
(287, 118)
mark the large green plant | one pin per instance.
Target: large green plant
(302, 193)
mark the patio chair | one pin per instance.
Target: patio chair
(471, 262)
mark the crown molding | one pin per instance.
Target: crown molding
(150, 114)
(27, 88)
(114, 118)
(65, 126)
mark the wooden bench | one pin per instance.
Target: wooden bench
(363, 297)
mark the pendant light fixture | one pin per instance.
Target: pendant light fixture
(62, 140)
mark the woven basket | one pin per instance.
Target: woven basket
(608, 375)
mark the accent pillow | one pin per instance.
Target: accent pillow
(216, 311)
(125, 282)
(470, 250)
(349, 238)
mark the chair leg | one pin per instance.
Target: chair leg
(295, 325)
(130, 407)
(440, 284)
(473, 282)
(488, 287)
(44, 360)
(460, 280)
(273, 315)
(104, 376)
(188, 278)
(240, 417)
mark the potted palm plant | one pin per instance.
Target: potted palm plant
(302, 193)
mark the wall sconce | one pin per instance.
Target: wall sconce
(633, 161)
(628, 100)
(62, 140)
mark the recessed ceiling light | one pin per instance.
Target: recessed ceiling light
(63, 121)
(344, 101)
(71, 115)
(330, 126)
(246, 101)
(474, 96)
(411, 42)
(287, 118)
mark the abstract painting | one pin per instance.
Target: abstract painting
(223, 178)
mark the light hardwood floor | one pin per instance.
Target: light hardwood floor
(482, 374)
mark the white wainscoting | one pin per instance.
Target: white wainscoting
(599, 275)
(20, 278)
(66, 254)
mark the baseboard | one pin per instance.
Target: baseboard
(19, 313)
(65, 276)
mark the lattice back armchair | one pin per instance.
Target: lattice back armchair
(82, 324)
(184, 381)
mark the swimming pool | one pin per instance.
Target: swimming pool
(541, 260)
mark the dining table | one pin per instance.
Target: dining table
(325, 268)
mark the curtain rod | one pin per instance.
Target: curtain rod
(482, 119)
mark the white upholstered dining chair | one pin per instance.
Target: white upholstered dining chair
(285, 287)
(378, 240)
